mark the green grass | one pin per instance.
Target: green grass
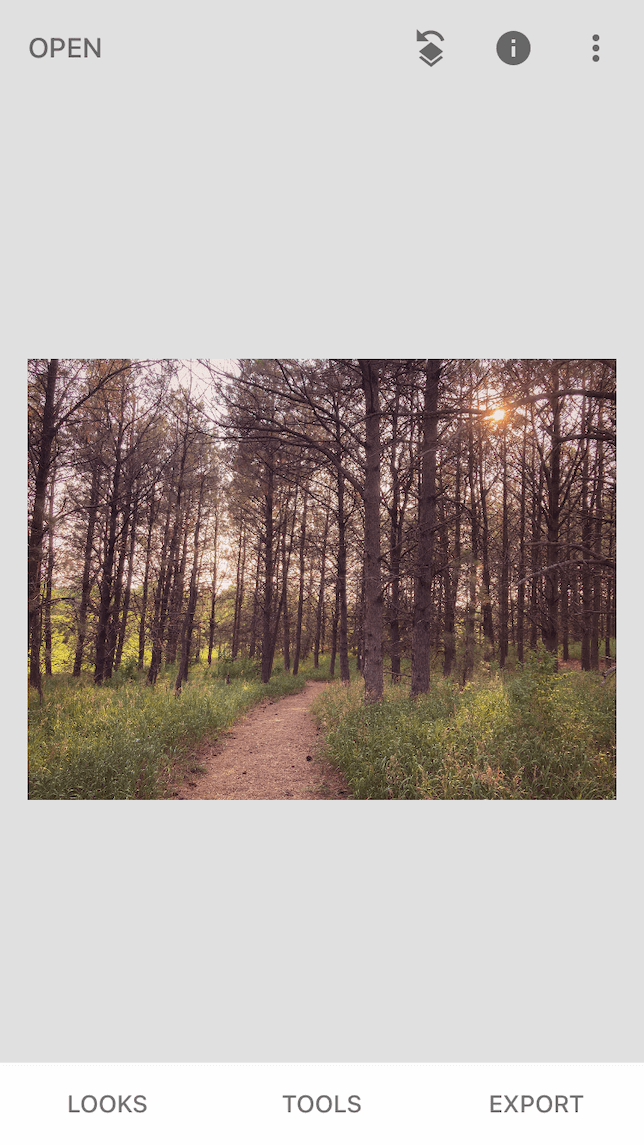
(522, 734)
(126, 740)
(529, 734)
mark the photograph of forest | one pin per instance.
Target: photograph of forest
(322, 578)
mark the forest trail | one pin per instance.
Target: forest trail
(268, 754)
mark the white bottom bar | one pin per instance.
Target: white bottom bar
(312, 1104)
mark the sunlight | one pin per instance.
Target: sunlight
(498, 415)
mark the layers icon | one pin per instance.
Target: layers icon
(431, 53)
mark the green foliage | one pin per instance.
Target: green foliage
(240, 669)
(128, 669)
(533, 734)
(574, 649)
(307, 671)
(320, 673)
(124, 740)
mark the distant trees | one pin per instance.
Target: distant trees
(58, 395)
(426, 513)
(130, 496)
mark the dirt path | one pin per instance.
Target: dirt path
(268, 754)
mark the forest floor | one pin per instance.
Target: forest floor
(271, 753)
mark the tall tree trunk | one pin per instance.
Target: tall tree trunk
(486, 597)
(37, 531)
(286, 618)
(107, 571)
(146, 580)
(287, 548)
(597, 579)
(452, 578)
(168, 561)
(334, 630)
(319, 615)
(536, 562)
(213, 590)
(586, 541)
(267, 650)
(470, 610)
(522, 561)
(252, 643)
(128, 588)
(610, 585)
(342, 619)
(300, 598)
(395, 543)
(575, 619)
(373, 668)
(358, 621)
(565, 611)
(188, 623)
(115, 615)
(278, 617)
(175, 607)
(50, 571)
(505, 564)
(307, 622)
(92, 514)
(421, 634)
(239, 591)
(553, 484)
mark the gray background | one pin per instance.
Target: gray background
(258, 179)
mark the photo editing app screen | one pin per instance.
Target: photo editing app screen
(387, 586)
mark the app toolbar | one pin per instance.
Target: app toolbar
(512, 47)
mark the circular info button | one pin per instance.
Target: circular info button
(513, 48)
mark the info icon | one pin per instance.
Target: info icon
(513, 48)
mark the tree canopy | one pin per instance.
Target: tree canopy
(420, 515)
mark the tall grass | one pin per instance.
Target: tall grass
(124, 740)
(532, 734)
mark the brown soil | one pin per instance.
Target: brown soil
(271, 753)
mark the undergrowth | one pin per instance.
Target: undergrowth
(124, 740)
(532, 734)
